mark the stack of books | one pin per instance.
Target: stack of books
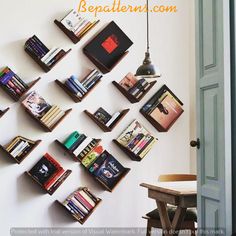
(105, 118)
(19, 147)
(36, 48)
(49, 115)
(12, 83)
(101, 164)
(80, 145)
(164, 108)
(137, 139)
(135, 86)
(81, 88)
(78, 24)
(81, 203)
(49, 173)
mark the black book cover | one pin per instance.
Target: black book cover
(102, 115)
(109, 45)
(110, 171)
(43, 170)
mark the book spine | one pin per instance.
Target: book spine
(40, 43)
(21, 150)
(78, 142)
(112, 120)
(80, 198)
(53, 178)
(79, 84)
(55, 59)
(56, 119)
(93, 82)
(147, 149)
(76, 86)
(59, 181)
(81, 147)
(74, 90)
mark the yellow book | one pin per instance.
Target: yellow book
(85, 30)
(48, 113)
(27, 140)
(56, 119)
(13, 142)
(147, 149)
(52, 117)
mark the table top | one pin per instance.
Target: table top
(175, 188)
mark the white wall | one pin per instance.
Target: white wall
(22, 203)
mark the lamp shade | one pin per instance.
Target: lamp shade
(147, 69)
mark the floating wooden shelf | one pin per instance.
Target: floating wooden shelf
(46, 128)
(70, 34)
(52, 190)
(27, 154)
(16, 99)
(129, 96)
(127, 151)
(152, 120)
(127, 170)
(103, 126)
(73, 96)
(2, 113)
(102, 67)
(67, 151)
(81, 221)
(44, 66)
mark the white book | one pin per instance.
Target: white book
(80, 20)
(56, 119)
(52, 55)
(89, 76)
(79, 205)
(87, 198)
(78, 26)
(22, 148)
(45, 57)
(21, 144)
(79, 84)
(71, 19)
(82, 146)
(113, 118)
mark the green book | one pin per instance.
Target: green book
(71, 139)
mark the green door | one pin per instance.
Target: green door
(213, 116)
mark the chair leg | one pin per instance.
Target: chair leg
(149, 229)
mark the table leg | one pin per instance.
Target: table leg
(164, 217)
(178, 219)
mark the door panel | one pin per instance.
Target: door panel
(213, 99)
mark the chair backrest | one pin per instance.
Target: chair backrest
(177, 177)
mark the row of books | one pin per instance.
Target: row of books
(49, 57)
(80, 203)
(105, 118)
(48, 173)
(77, 24)
(135, 86)
(164, 107)
(137, 139)
(95, 158)
(19, 147)
(12, 83)
(81, 88)
(48, 115)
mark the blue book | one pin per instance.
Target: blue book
(76, 85)
(6, 77)
(71, 87)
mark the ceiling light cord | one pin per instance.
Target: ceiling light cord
(148, 44)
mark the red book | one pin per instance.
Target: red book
(80, 198)
(54, 178)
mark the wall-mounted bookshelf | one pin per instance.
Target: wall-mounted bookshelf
(163, 109)
(135, 141)
(103, 124)
(44, 57)
(43, 126)
(68, 151)
(104, 51)
(81, 204)
(79, 90)
(13, 85)
(131, 97)
(19, 148)
(3, 112)
(77, 28)
(46, 115)
(93, 158)
(48, 174)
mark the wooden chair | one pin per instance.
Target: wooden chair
(153, 217)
